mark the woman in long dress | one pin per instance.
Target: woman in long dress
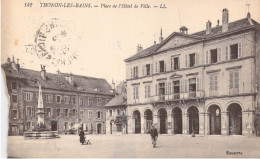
(82, 136)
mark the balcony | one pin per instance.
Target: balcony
(179, 96)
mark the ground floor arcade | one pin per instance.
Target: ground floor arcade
(208, 117)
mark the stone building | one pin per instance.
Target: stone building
(69, 100)
(206, 82)
(116, 115)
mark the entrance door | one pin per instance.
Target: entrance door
(137, 122)
(53, 125)
(99, 128)
(163, 120)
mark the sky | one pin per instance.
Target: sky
(103, 37)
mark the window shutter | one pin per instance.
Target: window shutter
(186, 86)
(239, 50)
(51, 111)
(186, 60)
(211, 83)
(197, 84)
(156, 89)
(236, 80)
(156, 67)
(145, 91)
(151, 69)
(196, 59)
(131, 72)
(226, 53)
(164, 66)
(231, 80)
(166, 88)
(101, 114)
(170, 88)
(207, 57)
(137, 73)
(181, 86)
(219, 54)
(172, 63)
(143, 70)
(216, 82)
(137, 93)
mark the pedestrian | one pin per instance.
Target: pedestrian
(154, 135)
(82, 136)
(88, 138)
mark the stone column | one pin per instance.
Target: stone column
(207, 124)
(224, 123)
(247, 123)
(169, 127)
(155, 122)
(202, 123)
(142, 124)
(130, 125)
(185, 124)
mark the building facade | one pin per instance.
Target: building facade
(69, 100)
(206, 82)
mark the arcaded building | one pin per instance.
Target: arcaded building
(69, 100)
(206, 82)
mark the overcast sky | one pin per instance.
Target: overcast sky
(103, 38)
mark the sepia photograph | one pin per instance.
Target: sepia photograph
(130, 79)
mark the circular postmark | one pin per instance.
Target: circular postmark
(53, 43)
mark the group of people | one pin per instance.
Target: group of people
(153, 132)
(82, 138)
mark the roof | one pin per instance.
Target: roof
(199, 36)
(58, 81)
(118, 100)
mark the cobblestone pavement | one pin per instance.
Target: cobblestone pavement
(125, 146)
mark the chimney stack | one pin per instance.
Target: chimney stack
(139, 48)
(184, 30)
(217, 23)
(248, 15)
(15, 66)
(113, 86)
(161, 37)
(43, 72)
(8, 60)
(225, 20)
(208, 27)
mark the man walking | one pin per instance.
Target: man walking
(154, 135)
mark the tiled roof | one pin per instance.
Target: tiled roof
(118, 100)
(58, 81)
(216, 31)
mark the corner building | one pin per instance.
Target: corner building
(205, 82)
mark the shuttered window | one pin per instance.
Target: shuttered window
(219, 54)
(234, 82)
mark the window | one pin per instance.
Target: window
(135, 93)
(73, 125)
(136, 72)
(81, 101)
(58, 111)
(118, 111)
(48, 112)
(14, 98)
(99, 115)
(14, 85)
(74, 112)
(192, 87)
(110, 112)
(48, 98)
(233, 82)
(73, 100)
(90, 114)
(147, 91)
(98, 101)
(233, 51)
(214, 56)
(90, 101)
(66, 125)
(175, 63)
(162, 66)
(66, 99)
(58, 99)
(28, 125)
(161, 91)
(66, 112)
(213, 88)
(14, 114)
(176, 89)
(148, 69)
(81, 113)
(28, 96)
(192, 59)
(28, 111)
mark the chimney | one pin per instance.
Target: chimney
(248, 15)
(15, 66)
(139, 48)
(184, 30)
(154, 42)
(217, 23)
(224, 20)
(161, 37)
(43, 72)
(8, 60)
(69, 78)
(18, 66)
(113, 85)
(208, 27)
